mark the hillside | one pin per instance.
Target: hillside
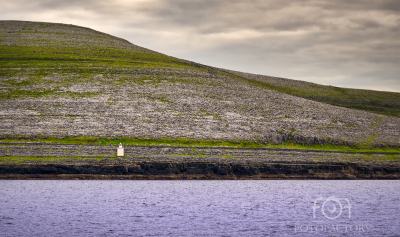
(387, 103)
(62, 81)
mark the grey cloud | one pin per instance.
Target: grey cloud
(382, 5)
(43, 5)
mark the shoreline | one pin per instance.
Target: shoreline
(199, 171)
(179, 177)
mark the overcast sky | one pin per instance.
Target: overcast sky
(353, 44)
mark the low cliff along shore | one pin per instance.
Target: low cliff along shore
(56, 161)
(69, 95)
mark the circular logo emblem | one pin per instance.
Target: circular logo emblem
(332, 208)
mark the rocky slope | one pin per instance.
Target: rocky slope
(63, 80)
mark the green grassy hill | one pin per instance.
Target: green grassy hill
(72, 84)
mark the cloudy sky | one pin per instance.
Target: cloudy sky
(344, 43)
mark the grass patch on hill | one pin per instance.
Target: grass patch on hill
(43, 61)
(187, 142)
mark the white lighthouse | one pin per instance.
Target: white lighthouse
(120, 150)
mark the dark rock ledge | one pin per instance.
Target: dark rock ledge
(100, 162)
(199, 170)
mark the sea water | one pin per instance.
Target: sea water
(199, 208)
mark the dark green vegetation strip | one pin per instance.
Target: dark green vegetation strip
(58, 58)
(188, 142)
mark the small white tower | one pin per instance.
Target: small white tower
(120, 150)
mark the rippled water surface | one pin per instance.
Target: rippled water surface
(199, 208)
